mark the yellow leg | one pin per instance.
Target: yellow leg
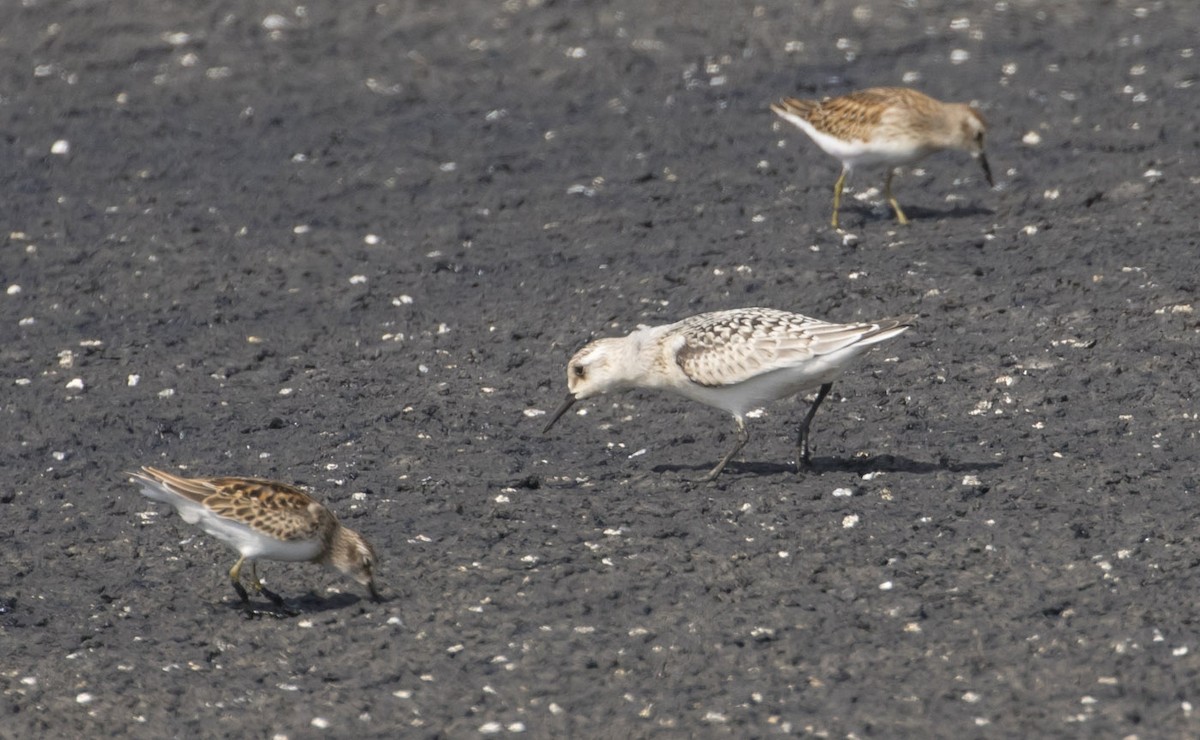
(235, 575)
(891, 199)
(837, 196)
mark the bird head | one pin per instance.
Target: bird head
(355, 558)
(595, 369)
(972, 130)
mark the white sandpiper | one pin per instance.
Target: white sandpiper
(736, 360)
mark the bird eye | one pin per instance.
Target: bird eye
(579, 371)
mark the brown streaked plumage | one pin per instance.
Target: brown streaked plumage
(264, 520)
(736, 360)
(892, 126)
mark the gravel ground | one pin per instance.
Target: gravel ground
(351, 246)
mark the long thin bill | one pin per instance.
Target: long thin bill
(566, 404)
(987, 170)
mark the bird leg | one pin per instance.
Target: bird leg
(742, 437)
(235, 575)
(275, 598)
(837, 195)
(802, 456)
(891, 199)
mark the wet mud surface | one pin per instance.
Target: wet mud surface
(353, 247)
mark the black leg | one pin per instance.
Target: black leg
(802, 455)
(275, 598)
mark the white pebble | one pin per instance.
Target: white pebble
(84, 698)
(1033, 138)
(490, 728)
(76, 384)
(371, 239)
(14, 289)
(275, 22)
(132, 380)
(358, 279)
(62, 146)
(849, 521)
(320, 723)
(842, 492)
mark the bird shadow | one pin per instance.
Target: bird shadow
(867, 214)
(307, 604)
(859, 465)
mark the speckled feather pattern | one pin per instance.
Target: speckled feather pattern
(877, 112)
(275, 509)
(264, 520)
(730, 347)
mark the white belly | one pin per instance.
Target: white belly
(859, 153)
(763, 389)
(254, 545)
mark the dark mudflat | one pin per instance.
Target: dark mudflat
(355, 250)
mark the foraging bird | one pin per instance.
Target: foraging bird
(892, 126)
(264, 520)
(736, 360)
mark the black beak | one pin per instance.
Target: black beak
(566, 404)
(987, 170)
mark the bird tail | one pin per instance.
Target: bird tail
(795, 107)
(887, 328)
(162, 486)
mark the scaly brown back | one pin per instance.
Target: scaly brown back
(287, 512)
(853, 116)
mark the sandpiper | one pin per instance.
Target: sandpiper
(264, 520)
(736, 360)
(892, 126)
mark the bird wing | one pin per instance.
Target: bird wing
(284, 510)
(727, 348)
(847, 116)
